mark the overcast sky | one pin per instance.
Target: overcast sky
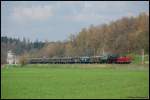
(55, 20)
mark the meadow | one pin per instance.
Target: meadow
(76, 81)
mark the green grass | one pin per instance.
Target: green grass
(137, 59)
(75, 81)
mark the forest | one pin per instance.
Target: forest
(123, 36)
(18, 46)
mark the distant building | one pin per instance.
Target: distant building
(11, 57)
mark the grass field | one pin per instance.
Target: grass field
(75, 81)
(138, 59)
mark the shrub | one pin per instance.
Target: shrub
(23, 60)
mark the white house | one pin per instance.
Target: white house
(11, 58)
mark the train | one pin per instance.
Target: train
(104, 59)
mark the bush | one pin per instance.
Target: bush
(23, 60)
(137, 59)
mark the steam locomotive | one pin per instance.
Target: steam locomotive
(105, 59)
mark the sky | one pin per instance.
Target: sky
(56, 20)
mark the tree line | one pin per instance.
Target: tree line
(19, 47)
(123, 36)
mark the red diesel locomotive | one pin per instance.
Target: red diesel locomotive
(123, 60)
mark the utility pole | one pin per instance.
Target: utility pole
(142, 56)
(104, 49)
